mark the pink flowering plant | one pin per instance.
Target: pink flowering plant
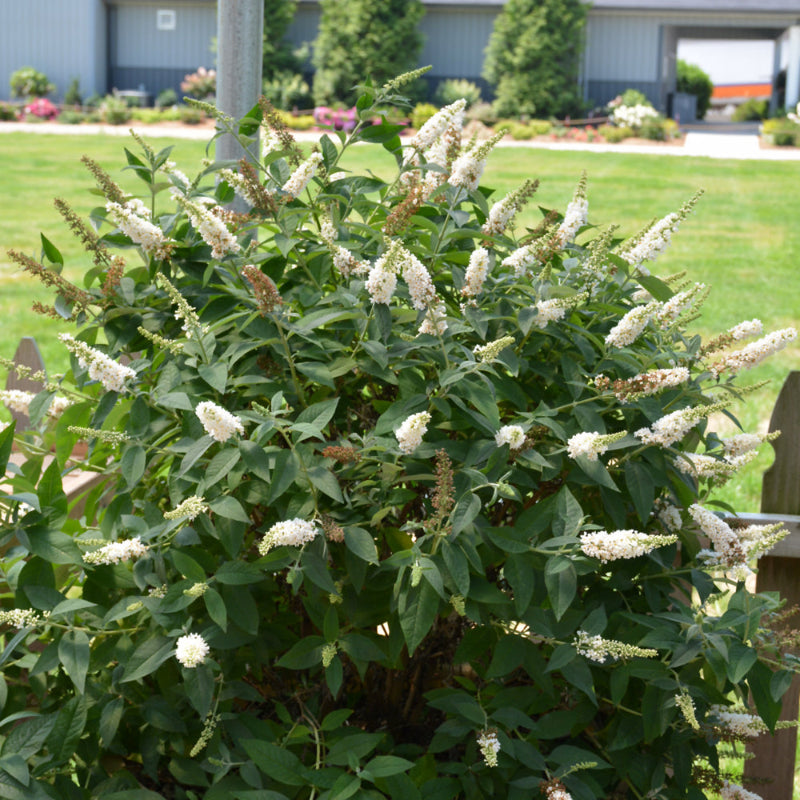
(397, 499)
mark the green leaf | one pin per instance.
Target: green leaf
(74, 654)
(53, 546)
(597, 472)
(326, 482)
(238, 573)
(740, 659)
(110, 717)
(6, 443)
(219, 466)
(279, 764)
(255, 459)
(641, 488)
(27, 738)
(467, 509)
(51, 252)
(568, 514)
(17, 767)
(303, 654)
(67, 732)
(334, 674)
(216, 607)
(383, 766)
(316, 569)
(215, 375)
(360, 543)
(132, 464)
(561, 582)
(759, 679)
(457, 566)
(195, 452)
(379, 133)
(187, 566)
(345, 786)
(229, 508)
(420, 606)
(147, 658)
(286, 469)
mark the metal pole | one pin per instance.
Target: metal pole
(240, 31)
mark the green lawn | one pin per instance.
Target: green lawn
(743, 239)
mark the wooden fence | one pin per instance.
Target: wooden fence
(773, 757)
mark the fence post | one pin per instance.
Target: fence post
(774, 756)
(27, 355)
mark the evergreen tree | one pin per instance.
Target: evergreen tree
(379, 39)
(533, 57)
(278, 54)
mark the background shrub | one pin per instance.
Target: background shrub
(73, 96)
(28, 82)
(533, 57)
(781, 132)
(189, 115)
(115, 111)
(449, 91)
(483, 112)
(364, 38)
(201, 84)
(751, 110)
(8, 112)
(615, 133)
(692, 80)
(166, 98)
(421, 114)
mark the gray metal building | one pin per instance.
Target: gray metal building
(152, 44)
(106, 44)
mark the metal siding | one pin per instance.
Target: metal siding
(140, 44)
(54, 37)
(622, 48)
(455, 40)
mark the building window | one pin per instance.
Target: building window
(165, 20)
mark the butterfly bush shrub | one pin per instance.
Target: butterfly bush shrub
(398, 499)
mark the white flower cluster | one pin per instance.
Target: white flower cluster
(435, 322)
(746, 330)
(674, 426)
(100, 367)
(745, 726)
(685, 704)
(345, 262)
(669, 515)
(704, 466)
(754, 353)
(269, 140)
(191, 650)
(190, 507)
(239, 185)
(728, 549)
(500, 215)
(576, 216)
(469, 166)
(653, 241)
(133, 219)
(489, 746)
(592, 444)
(17, 400)
(633, 116)
(522, 259)
(300, 178)
(651, 382)
(742, 443)
(381, 281)
(512, 435)
(420, 285)
(171, 168)
(476, 273)
(731, 791)
(677, 304)
(557, 793)
(629, 328)
(598, 649)
(115, 552)
(21, 617)
(613, 545)
(289, 533)
(449, 116)
(219, 423)
(211, 228)
(409, 434)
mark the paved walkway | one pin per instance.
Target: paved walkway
(709, 141)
